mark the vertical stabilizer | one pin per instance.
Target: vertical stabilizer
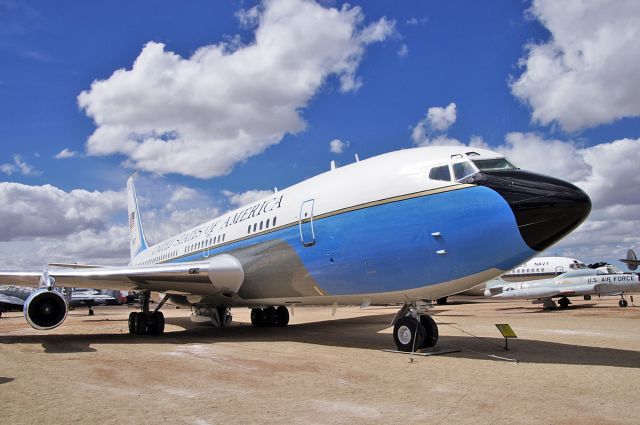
(137, 242)
(633, 260)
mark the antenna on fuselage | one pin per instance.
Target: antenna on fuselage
(357, 158)
(333, 165)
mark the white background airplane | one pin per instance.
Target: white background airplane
(581, 282)
(405, 227)
(536, 268)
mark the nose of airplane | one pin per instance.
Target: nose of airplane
(545, 208)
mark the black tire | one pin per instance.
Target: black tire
(158, 323)
(624, 303)
(442, 301)
(282, 316)
(564, 302)
(132, 322)
(90, 312)
(270, 316)
(587, 297)
(431, 331)
(408, 334)
(142, 324)
(257, 317)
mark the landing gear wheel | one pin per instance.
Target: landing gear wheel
(564, 302)
(132, 322)
(158, 323)
(431, 331)
(408, 334)
(141, 324)
(587, 297)
(623, 303)
(270, 316)
(258, 317)
(282, 316)
(441, 301)
(90, 311)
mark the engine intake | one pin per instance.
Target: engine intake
(45, 309)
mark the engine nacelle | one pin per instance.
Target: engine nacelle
(45, 309)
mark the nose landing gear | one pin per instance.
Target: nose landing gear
(414, 329)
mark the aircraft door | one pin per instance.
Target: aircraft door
(305, 223)
(559, 270)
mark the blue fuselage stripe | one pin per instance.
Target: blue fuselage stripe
(391, 246)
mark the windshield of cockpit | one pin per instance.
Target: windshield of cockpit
(460, 167)
(608, 269)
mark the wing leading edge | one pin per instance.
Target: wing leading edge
(222, 273)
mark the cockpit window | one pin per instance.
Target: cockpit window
(463, 169)
(440, 173)
(494, 164)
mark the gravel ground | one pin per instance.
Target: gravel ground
(579, 365)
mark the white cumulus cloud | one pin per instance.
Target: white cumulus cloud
(201, 115)
(437, 120)
(42, 211)
(19, 166)
(338, 146)
(588, 72)
(245, 198)
(66, 153)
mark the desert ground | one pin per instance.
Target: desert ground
(580, 365)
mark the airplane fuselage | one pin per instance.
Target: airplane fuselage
(379, 230)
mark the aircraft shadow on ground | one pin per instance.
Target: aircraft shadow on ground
(359, 332)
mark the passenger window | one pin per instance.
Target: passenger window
(274, 221)
(440, 173)
(255, 226)
(261, 225)
(249, 229)
(267, 223)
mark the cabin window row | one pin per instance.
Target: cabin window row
(160, 258)
(208, 242)
(257, 227)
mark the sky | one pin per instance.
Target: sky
(217, 103)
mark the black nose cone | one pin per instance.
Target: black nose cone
(546, 209)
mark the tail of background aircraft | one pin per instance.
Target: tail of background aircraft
(631, 260)
(137, 242)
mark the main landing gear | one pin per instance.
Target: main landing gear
(147, 322)
(623, 303)
(564, 302)
(270, 317)
(414, 329)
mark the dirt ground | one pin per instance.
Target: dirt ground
(579, 365)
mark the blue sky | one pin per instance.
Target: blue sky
(520, 75)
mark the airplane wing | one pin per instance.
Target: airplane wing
(222, 273)
(7, 300)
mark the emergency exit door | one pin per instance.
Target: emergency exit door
(305, 223)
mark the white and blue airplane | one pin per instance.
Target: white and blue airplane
(407, 227)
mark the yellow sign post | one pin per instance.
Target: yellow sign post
(507, 333)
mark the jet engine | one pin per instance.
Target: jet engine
(45, 309)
